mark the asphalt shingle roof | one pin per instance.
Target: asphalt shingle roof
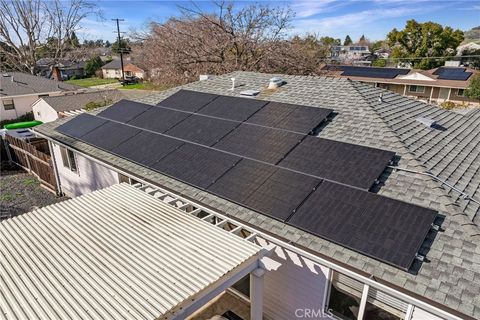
(79, 100)
(451, 276)
(24, 83)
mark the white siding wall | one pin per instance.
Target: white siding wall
(91, 176)
(22, 106)
(43, 112)
(294, 287)
(419, 314)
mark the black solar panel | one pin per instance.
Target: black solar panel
(196, 165)
(259, 143)
(80, 125)
(343, 162)
(383, 228)
(369, 72)
(158, 119)
(452, 73)
(146, 148)
(201, 129)
(186, 100)
(290, 117)
(124, 110)
(232, 108)
(110, 135)
(265, 188)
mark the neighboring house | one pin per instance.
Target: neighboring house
(114, 67)
(61, 70)
(18, 91)
(435, 85)
(350, 53)
(49, 109)
(436, 167)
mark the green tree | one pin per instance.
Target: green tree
(348, 41)
(419, 41)
(107, 44)
(362, 40)
(74, 40)
(93, 65)
(473, 90)
(124, 46)
(379, 63)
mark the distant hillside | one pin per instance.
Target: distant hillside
(472, 35)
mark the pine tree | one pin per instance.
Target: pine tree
(348, 41)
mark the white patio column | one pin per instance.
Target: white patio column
(256, 294)
(405, 90)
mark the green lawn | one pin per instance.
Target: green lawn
(145, 86)
(90, 82)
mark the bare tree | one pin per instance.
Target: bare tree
(225, 40)
(30, 27)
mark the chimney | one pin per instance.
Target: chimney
(56, 73)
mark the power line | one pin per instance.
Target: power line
(433, 58)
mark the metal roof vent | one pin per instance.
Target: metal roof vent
(427, 121)
(6, 75)
(275, 82)
(250, 93)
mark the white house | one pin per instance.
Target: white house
(112, 70)
(349, 53)
(47, 109)
(18, 92)
(307, 276)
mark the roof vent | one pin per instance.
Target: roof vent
(427, 121)
(250, 93)
(204, 77)
(275, 82)
(6, 75)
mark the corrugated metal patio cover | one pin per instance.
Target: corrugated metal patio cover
(116, 253)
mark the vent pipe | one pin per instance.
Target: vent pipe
(275, 82)
(233, 84)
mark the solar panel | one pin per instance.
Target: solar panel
(186, 100)
(369, 72)
(290, 117)
(109, 135)
(232, 108)
(196, 165)
(124, 110)
(264, 188)
(146, 148)
(201, 129)
(351, 164)
(452, 73)
(80, 125)
(158, 119)
(385, 229)
(259, 143)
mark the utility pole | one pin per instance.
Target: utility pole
(120, 48)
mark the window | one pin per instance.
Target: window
(461, 92)
(417, 89)
(43, 95)
(345, 298)
(68, 159)
(8, 104)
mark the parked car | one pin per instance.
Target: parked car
(129, 80)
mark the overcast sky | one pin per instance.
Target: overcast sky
(335, 18)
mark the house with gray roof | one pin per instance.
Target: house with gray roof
(437, 166)
(18, 91)
(47, 109)
(113, 69)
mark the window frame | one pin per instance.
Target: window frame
(11, 106)
(460, 95)
(69, 159)
(416, 89)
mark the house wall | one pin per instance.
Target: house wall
(294, 287)
(42, 111)
(419, 314)
(23, 105)
(111, 73)
(91, 176)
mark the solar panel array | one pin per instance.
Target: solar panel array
(261, 158)
(369, 72)
(451, 73)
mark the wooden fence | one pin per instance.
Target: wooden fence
(33, 156)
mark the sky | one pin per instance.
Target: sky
(334, 18)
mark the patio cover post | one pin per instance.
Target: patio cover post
(256, 293)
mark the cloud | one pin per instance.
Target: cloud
(304, 9)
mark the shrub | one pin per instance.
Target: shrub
(97, 104)
(473, 90)
(447, 105)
